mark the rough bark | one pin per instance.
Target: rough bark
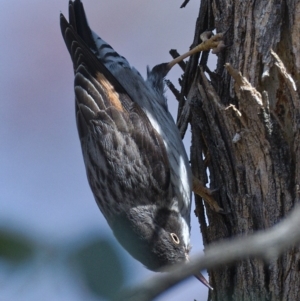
(245, 120)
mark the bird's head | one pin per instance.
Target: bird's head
(156, 237)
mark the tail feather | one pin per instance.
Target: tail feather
(103, 51)
(78, 20)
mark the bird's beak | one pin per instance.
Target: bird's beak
(201, 278)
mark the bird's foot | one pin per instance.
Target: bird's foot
(207, 195)
(209, 41)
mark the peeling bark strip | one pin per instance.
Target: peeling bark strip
(245, 121)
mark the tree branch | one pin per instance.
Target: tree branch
(266, 245)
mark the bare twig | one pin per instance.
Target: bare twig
(184, 3)
(173, 89)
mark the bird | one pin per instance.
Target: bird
(135, 161)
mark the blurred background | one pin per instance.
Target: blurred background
(54, 242)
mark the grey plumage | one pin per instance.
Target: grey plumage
(135, 161)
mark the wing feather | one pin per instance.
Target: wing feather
(118, 141)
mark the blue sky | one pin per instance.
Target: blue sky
(44, 191)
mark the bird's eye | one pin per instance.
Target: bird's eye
(175, 238)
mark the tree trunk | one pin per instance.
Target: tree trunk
(245, 136)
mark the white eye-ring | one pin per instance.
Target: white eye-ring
(175, 238)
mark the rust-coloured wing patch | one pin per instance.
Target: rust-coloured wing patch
(109, 89)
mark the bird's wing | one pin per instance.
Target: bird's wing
(118, 141)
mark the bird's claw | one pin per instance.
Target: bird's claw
(209, 41)
(206, 194)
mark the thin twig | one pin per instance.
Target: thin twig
(184, 3)
(173, 89)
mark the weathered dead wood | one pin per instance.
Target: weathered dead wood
(245, 122)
